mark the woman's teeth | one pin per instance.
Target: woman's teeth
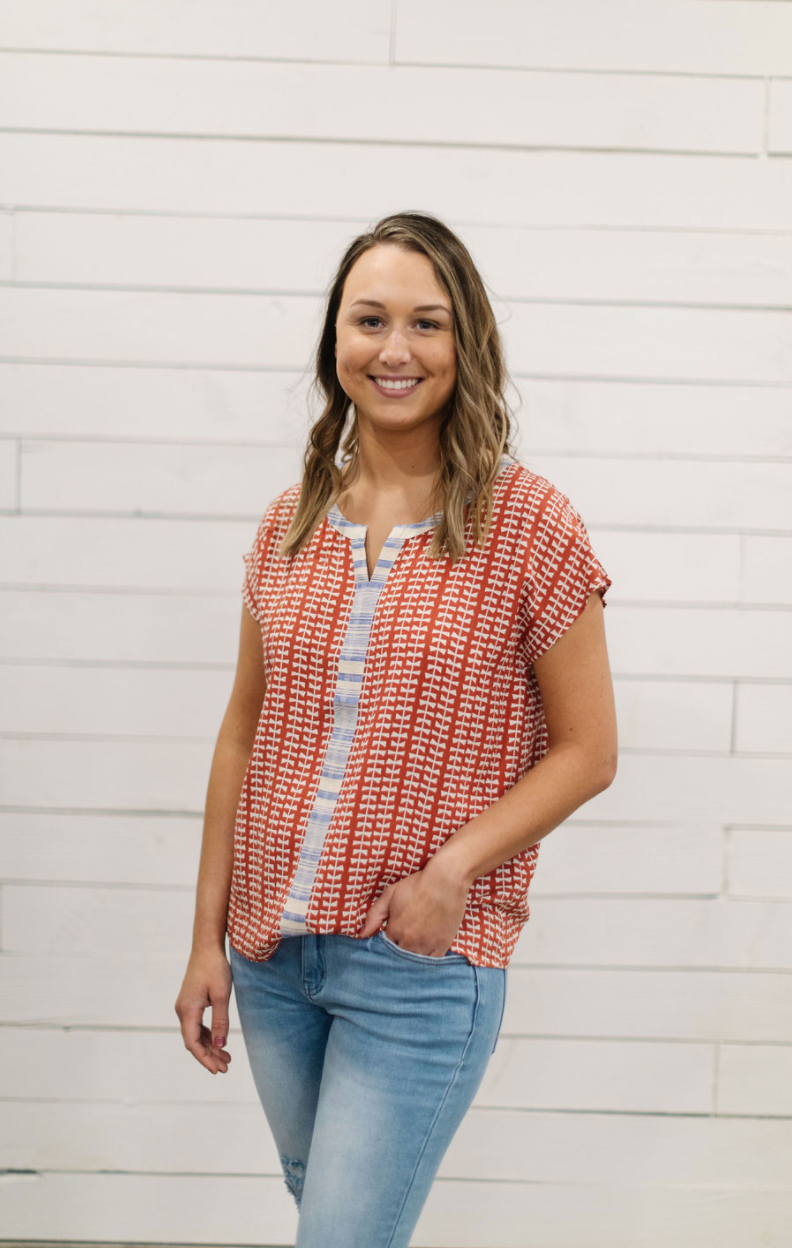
(397, 385)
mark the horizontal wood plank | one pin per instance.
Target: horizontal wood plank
(415, 105)
(650, 1150)
(160, 480)
(130, 1067)
(717, 267)
(255, 1210)
(352, 30)
(66, 920)
(698, 36)
(576, 188)
(129, 992)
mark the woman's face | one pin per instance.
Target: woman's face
(395, 323)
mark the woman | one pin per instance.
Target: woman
(422, 694)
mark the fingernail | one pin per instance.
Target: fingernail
(220, 1040)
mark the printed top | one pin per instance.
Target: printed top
(397, 709)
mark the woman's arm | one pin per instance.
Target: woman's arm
(424, 910)
(578, 697)
(207, 982)
(577, 694)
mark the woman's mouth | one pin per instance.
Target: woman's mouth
(396, 387)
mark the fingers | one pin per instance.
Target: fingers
(219, 1022)
(377, 913)
(212, 1056)
(190, 1020)
(199, 1040)
(191, 1028)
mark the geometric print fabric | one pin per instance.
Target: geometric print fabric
(397, 709)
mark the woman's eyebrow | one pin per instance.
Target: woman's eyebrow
(424, 307)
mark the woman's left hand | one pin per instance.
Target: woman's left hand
(423, 910)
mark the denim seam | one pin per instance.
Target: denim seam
(433, 1123)
(503, 1011)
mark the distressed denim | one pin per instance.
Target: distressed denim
(366, 1058)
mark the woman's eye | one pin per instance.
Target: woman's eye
(366, 319)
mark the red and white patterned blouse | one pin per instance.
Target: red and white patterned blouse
(396, 709)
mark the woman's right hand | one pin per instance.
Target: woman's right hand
(206, 984)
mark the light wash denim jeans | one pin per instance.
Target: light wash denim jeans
(366, 1058)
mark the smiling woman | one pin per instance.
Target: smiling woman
(397, 356)
(422, 694)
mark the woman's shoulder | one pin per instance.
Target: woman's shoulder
(529, 494)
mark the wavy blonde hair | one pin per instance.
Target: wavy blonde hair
(477, 429)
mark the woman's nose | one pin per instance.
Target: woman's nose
(395, 346)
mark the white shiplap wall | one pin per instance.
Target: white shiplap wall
(177, 181)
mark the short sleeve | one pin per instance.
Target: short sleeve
(562, 572)
(255, 560)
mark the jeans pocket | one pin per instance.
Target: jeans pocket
(450, 956)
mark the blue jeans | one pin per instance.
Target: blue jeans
(366, 1058)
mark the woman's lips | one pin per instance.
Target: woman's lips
(401, 393)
